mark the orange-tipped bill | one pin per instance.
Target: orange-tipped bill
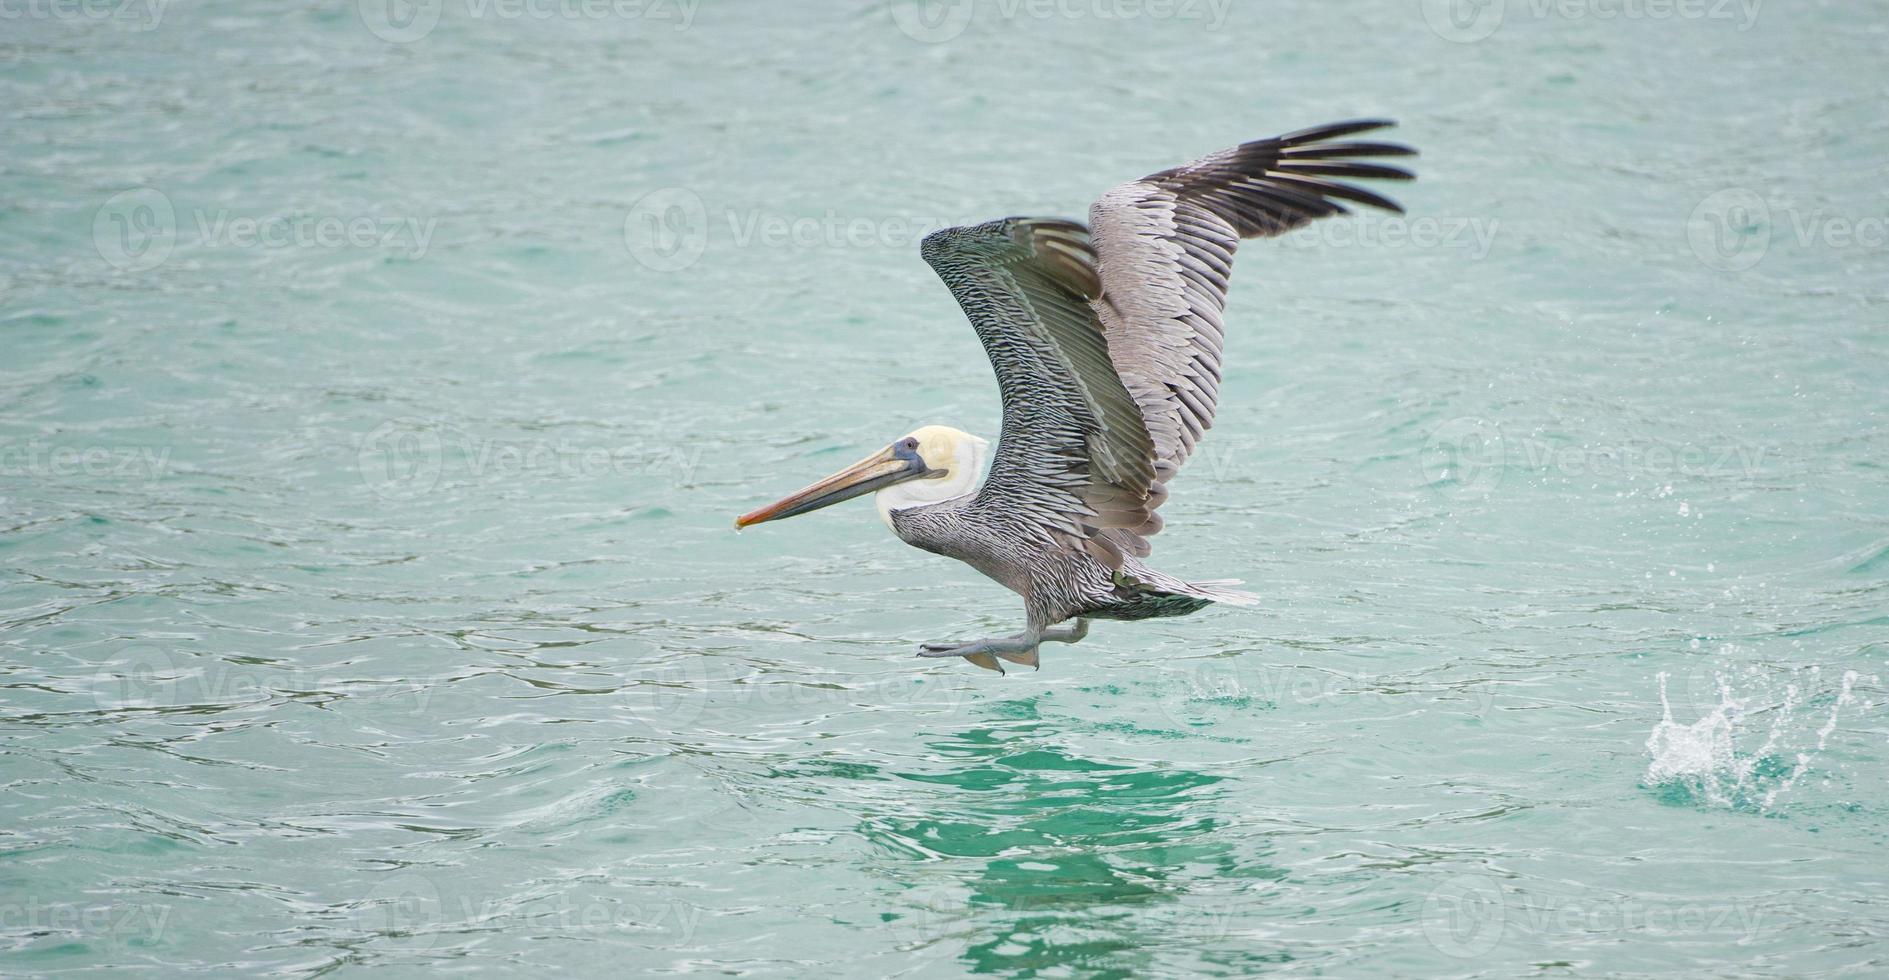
(884, 468)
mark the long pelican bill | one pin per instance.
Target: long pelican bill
(895, 464)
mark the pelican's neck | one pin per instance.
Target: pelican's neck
(967, 467)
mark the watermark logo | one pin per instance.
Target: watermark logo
(1730, 231)
(1464, 455)
(741, 818)
(668, 697)
(403, 912)
(135, 230)
(931, 912)
(402, 459)
(142, 678)
(667, 230)
(1704, 682)
(1464, 21)
(1464, 916)
(932, 21)
(400, 21)
(1190, 692)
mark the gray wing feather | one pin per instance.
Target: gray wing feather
(1165, 245)
(1075, 464)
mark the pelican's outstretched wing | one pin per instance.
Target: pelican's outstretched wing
(1108, 353)
(1075, 465)
(1165, 245)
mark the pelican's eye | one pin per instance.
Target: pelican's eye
(910, 445)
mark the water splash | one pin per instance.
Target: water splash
(1700, 763)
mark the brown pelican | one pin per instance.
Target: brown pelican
(1106, 343)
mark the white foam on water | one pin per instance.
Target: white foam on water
(1844, 697)
(1703, 758)
(1698, 750)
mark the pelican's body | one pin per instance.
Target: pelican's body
(1106, 342)
(1056, 584)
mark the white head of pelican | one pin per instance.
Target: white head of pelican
(930, 465)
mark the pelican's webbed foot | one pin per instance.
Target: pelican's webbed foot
(1020, 648)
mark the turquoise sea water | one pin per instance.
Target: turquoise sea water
(378, 382)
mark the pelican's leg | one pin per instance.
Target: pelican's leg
(1067, 634)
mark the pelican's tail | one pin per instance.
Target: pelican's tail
(1148, 594)
(1221, 590)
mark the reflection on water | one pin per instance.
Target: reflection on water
(1035, 858)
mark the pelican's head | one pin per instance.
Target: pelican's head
(931, 465)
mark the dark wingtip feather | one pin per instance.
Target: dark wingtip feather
(1332, 151)
(1362, 196)
(1331, 131)
(1271, 186)
(1338, 168)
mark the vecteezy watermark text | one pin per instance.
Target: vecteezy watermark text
(937, 21)
(1469, 915)
(1196, 692)
(1475, 237)
(148, 678)
(829, 230)
(1472, 454)
(671, 229)
(115, 922)
(145, 14)
(36, 459)
(407, 458)
(1465, 21)
(138, 229)
(407, 21)
(411, 911)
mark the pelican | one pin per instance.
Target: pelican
(1106, 342)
